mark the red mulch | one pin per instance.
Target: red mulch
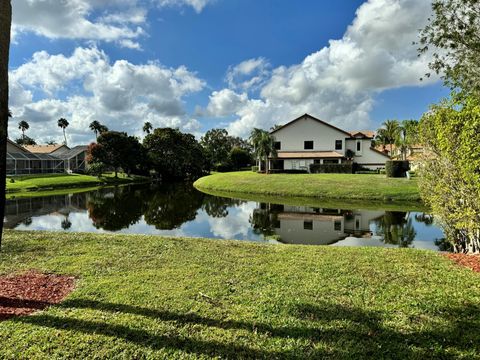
(469, 261)
(23, 294)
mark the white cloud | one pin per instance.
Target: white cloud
(338, 83)
(74, 19)
(225, 102)
(249, 74)
(121, 95)
(197, 5)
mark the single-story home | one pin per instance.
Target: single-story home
(307, 140)
(45, 159)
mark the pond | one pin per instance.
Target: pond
(181, 210)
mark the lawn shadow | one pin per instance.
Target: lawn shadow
(345, 331)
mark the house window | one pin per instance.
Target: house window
(338, 144)
(316, 161)
(359, 146)
(308, 145)
(278, 145)
(308, 225)
(337, 225)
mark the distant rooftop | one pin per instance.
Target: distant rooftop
(367, 133)
(43, 149)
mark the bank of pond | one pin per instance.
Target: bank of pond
(181, 210)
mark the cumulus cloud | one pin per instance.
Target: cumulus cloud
(338, 83)
(249, 74)
(120, 95)
(224, 102)
(77, 19)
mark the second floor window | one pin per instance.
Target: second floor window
(338, 144)
(308, 145)
(278, 145)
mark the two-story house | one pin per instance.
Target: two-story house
(308, 140)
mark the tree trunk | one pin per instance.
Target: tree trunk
(64, 137)
(266, 164)
(5, 25)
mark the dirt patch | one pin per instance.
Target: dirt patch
(469, 261)
(23, 294)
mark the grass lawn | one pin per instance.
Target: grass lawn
(154, 297)
(324, 186)
(48, 182)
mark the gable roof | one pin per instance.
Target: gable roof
(313, 118)
(43, 149)
(365, 133)
(13, 143)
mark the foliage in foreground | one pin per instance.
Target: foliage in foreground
(153, 297)
(450, 175)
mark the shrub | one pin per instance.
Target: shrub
(397, 168)
(331, 168)
(255, 168)
(12, 180)
(96, 169)
(222, 167)
(366, 172)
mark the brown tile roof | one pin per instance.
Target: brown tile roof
(43, 149)
(367, 133)
(308, 154)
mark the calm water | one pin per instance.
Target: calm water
(180, 210)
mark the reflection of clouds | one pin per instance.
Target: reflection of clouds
(374, 241)
(236, 224)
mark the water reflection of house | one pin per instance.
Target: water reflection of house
(320, 226)
(19, 211)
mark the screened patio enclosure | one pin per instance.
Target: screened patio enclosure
(19, 163)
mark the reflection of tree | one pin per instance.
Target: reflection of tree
(218, 206)
(263, 220)
(425, 218)
(171, 206)
(396, 229)
(66, 223)
(116, 209)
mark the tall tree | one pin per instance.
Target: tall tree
(23, 126)
(390, 131)
(453, 33)
(95, 126)
(217, 144)
(147, 127)
(5, 26)
(264, 145)
(63, 124)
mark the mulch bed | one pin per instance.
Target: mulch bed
(23, 294)
(469, 261)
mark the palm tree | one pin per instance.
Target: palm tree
(95, 127)
(390, 132)
(23, 126)
(63, 123)
(5, 26)
(102, 129)
(147, 127)
(264, 145)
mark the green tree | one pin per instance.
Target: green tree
(96, 127)
(453, 33)
(147, 127)
(63, 124)
(5, 26)
(217, 144)
(264, 146)
(118, 151)
(25, 140)
(450, 173)
(175, 155)
(23, 126)
(390, 131)
(239, 158)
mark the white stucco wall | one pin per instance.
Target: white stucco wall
(292, 137)
(367, 157)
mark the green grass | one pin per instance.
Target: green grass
(24, 185)
(153, 297)
(321, 186)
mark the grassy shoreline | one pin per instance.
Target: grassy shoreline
(199, 298)
(319, 186)
(43, 185)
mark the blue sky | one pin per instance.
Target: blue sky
(198, 64)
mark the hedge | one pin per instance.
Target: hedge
(331, 168)
(397, 168)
